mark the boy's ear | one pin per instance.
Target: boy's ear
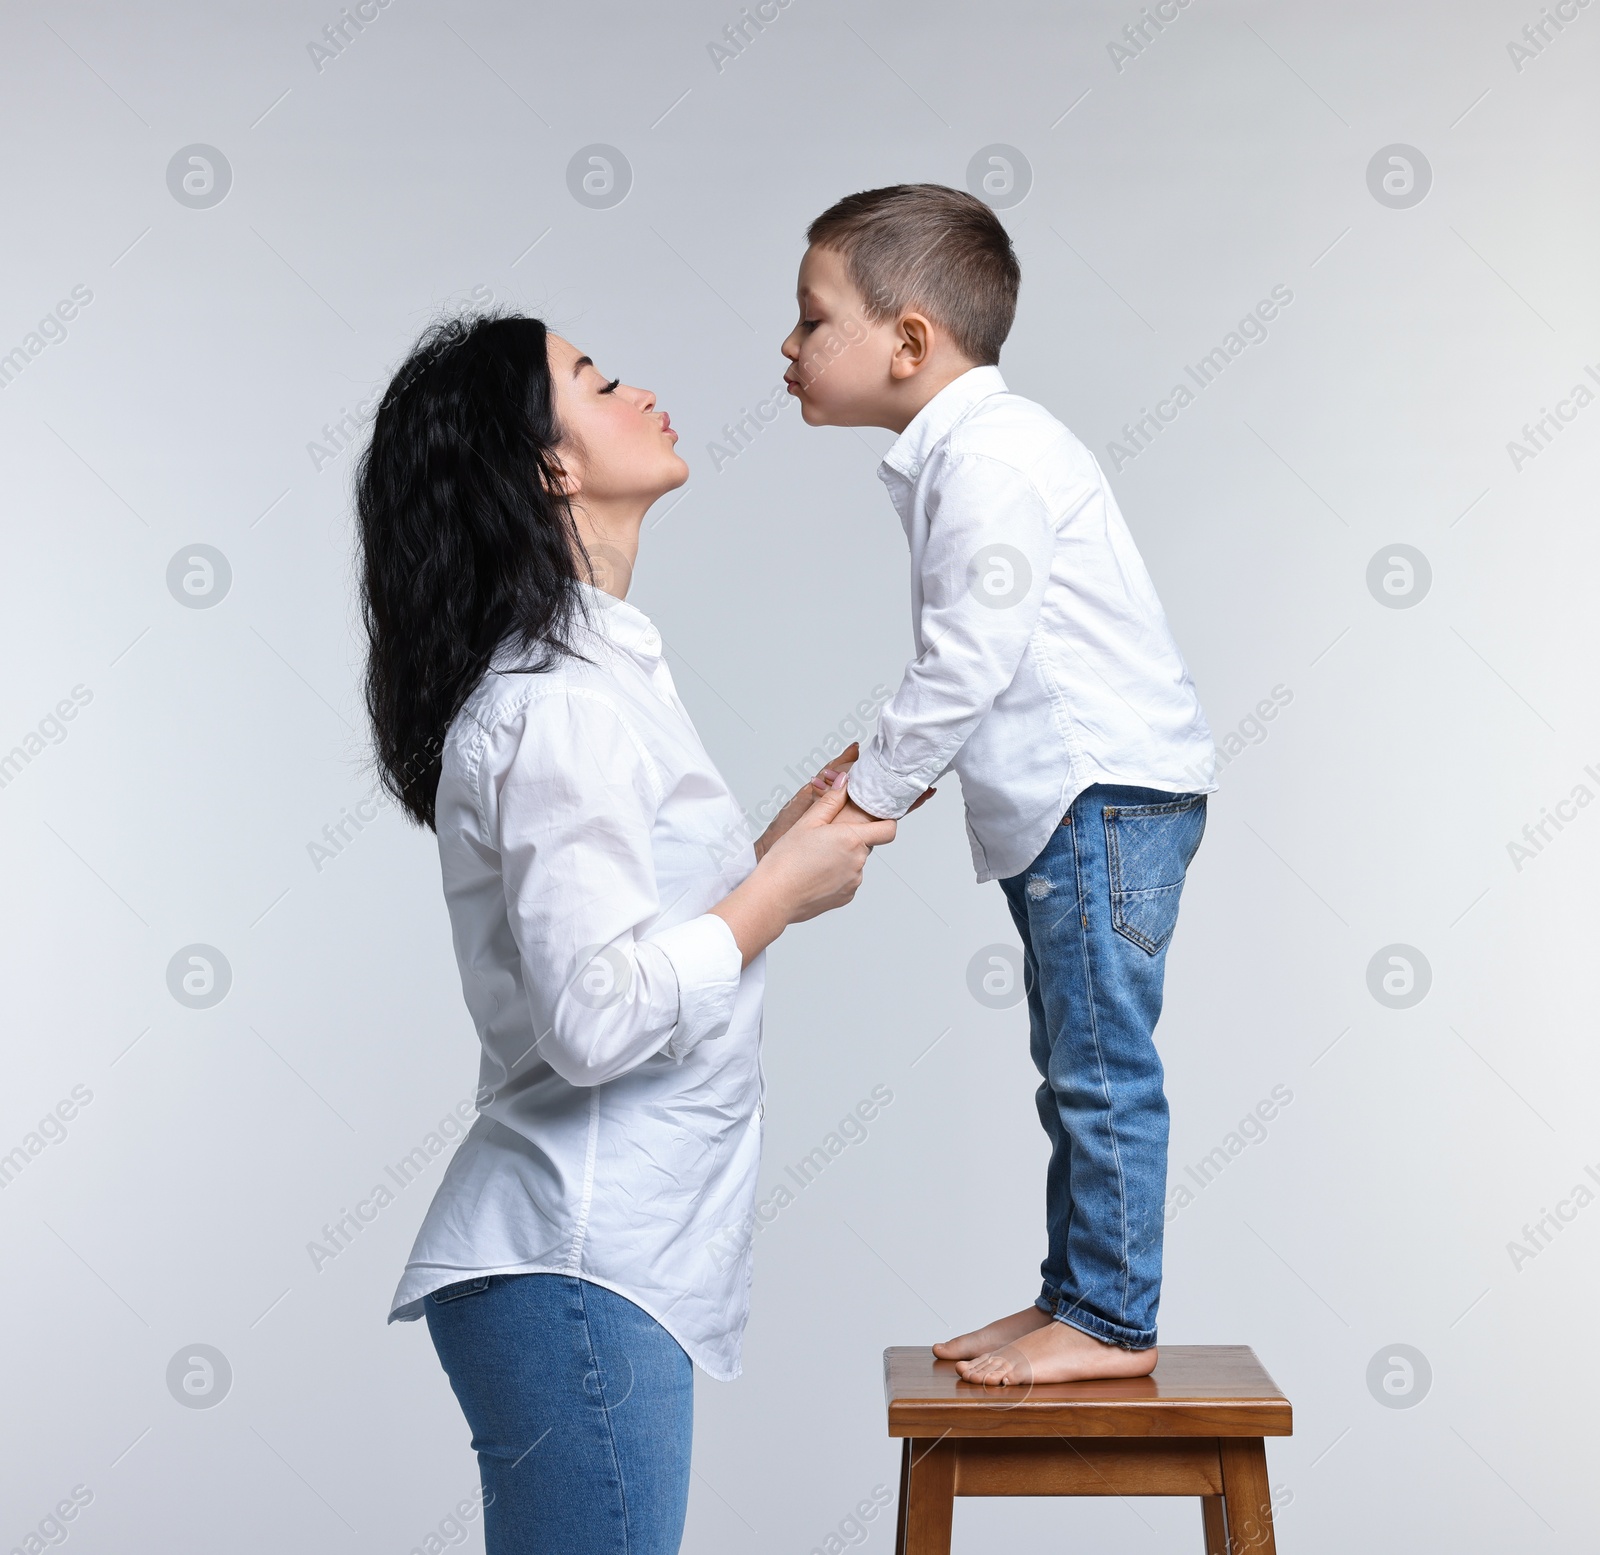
(913, 345)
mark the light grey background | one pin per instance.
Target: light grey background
(425, 165)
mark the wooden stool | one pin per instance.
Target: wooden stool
(1193, 1427)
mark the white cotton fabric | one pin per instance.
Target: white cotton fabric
(1044, 661)
(583, 834)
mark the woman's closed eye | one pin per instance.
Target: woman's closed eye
(610, 386)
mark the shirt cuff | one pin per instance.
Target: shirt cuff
(708, 963)
(879, 791)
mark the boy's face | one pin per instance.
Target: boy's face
(840, 360)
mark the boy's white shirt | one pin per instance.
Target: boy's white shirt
(1044, 660)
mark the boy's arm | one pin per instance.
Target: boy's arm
(991, 542)
(851, 811)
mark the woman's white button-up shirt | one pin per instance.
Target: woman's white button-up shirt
(583, 834)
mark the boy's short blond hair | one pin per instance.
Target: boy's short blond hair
(930, 247)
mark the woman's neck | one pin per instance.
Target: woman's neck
(610, 541)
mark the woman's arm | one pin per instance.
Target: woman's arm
(570, 798)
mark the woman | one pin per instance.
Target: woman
(591, 1236)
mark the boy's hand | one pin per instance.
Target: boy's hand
(854, 815)
(853, 812)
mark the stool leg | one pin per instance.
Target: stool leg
(1248, 1496)
(905, 1490)
(927, 1496)
(1213, 1519)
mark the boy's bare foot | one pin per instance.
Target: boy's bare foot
(1055, 1352)
(967, 1347)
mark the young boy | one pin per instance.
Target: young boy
(1046, 677)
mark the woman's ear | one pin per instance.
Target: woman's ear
(568, 483)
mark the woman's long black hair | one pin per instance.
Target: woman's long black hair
(466, 539)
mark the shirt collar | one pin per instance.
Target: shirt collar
(937, 417)
(619, 622)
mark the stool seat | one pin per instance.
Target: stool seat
(1194, 1427)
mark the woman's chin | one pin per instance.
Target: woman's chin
(669, 476)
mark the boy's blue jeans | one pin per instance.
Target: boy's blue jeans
(1096, 910)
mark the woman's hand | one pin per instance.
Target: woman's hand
(804, 798)
(816, 866)
(812, 868)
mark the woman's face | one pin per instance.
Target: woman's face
(616, 447)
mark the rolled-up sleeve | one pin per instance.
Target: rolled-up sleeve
(574, 795)
(991, 542)
(707, 960)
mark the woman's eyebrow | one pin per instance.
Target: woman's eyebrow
(579, 365)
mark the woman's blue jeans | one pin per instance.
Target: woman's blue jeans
(1095, 911)
(582, 1411)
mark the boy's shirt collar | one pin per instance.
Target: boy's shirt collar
(937, 417)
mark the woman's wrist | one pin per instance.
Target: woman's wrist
(754, 914)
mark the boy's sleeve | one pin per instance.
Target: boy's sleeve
(991, 542)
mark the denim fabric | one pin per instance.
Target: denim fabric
(1096, 911)
(582, 1410)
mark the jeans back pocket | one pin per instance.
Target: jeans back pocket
(461, 1288)
(1148, 849)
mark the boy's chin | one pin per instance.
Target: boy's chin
(815, 415)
